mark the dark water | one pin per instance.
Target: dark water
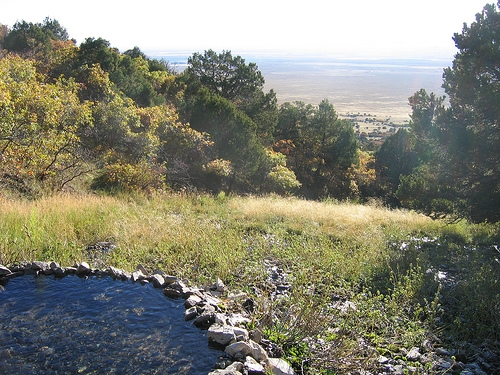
(96, 326)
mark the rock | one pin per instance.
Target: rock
(219, 286)
(383, 360)
(253, 367)
(4, 271)
(158, 281)
(115, 273)
(59, 272)
(240, 333)
(414, 354)
(239, 350)
(205, 320)
(141, 268)
(233, 369)
(137, 275)
(190, 313)
(256, 335)
(83, 269)
(221, 334)
(192, 300)
(280, 367)
(40, 266)
(172, 293)
(242, 349)
(170, 279)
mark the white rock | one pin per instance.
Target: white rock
(414, 354)
(83, 268)
(4, 271)
(137, 276)
(280, 367)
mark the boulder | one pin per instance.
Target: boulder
(83, 269)
(253, 367)
(279, 366)
(40, 266)
(221, 334)
(137, 275)
(192, 301)
(414, 354)
(190, 313)
(235, 368)
(241, 349)
(4, 271)
(141, 268)
(172, 293)
(158, 281)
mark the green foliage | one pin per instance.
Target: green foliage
(240, 83)
(39, 125)
(233, 134)
(140, 177)
(456, 146)
(29, 39)
(395, 157)
(323, 148)
(225, 75)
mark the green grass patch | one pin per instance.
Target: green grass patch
(365, 280)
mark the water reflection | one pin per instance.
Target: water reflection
(95, 326)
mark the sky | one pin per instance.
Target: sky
(328, 28)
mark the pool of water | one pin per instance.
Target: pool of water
(95, 326)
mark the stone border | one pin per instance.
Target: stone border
(245, 351)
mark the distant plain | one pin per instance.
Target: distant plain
(380, 88)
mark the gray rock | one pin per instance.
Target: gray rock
(414, 354)
(256, 335)
(280, 367)
(205, 320)
(241, 334)
(235, 368)
(158, 281)
(242, 349)
(170, 279)
(239, 350)
(192, 301)
(383, 360)
(40, 266)
(253, 367)
(221, 334)
(4, 271)
(141, 268)
(172, 293)
(190, 313)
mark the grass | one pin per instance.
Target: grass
(382, 261)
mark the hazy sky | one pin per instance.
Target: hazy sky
(347, 28)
